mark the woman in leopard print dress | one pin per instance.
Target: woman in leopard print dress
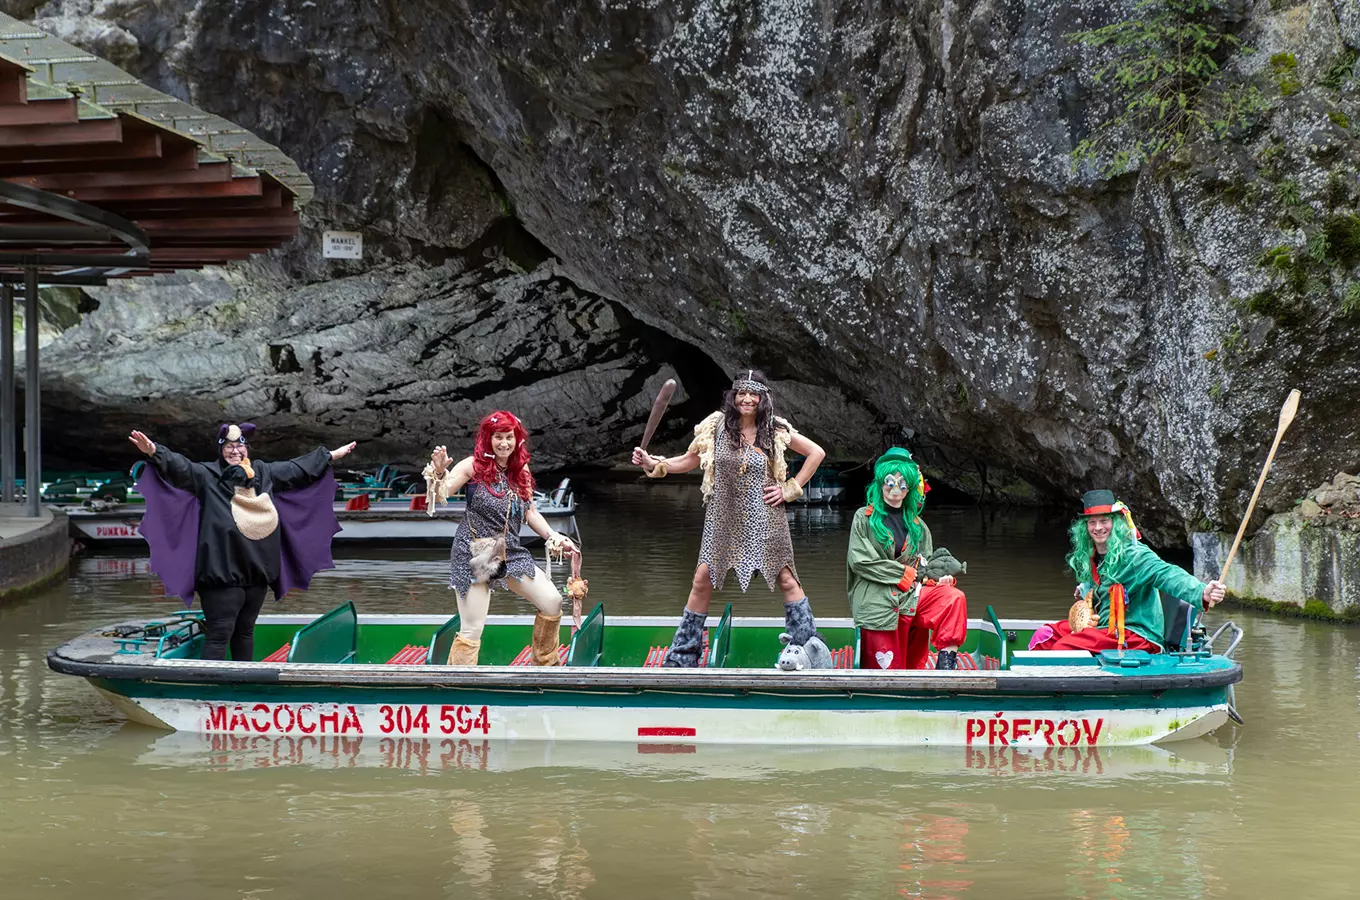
(746, 484)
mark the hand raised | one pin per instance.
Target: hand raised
(1213, 593)
(342, 452)
(143, 443)
(644, 459)
(440, 458)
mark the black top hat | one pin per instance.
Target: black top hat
(1097, 503)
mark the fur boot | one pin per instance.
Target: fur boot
(798, 622)
(464, 652)
(547, 638)
(688, 642)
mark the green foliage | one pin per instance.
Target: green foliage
(1339, 69)
(1285, 66)
(1339, 119)
(1165, 68)
(1343, 237)
(1281, 63)
(1350, 302)
(1339, 189)
(1317, 246)
(1288, 193)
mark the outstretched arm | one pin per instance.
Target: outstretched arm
(179, 470)
(659, 467)
(302, 470)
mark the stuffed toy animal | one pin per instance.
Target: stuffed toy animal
(812, 655)
(940, 564)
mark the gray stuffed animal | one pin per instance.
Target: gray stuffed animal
(812, 655)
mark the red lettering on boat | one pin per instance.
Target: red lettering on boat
(292, 718)
(217, 717)
(975, 728)
(1092, 735)
(255, 722)
(238, 720)
(1046, 726)
(996, 729)
(352, 719)
(333, 717)
(1021, 728)
(301, 725)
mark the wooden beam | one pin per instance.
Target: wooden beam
(13, 84)
(228, 225)
(107, 195)
(134, 145)
(91, 131)
(56, 111)
(205, 173)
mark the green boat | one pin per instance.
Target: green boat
(347, 674)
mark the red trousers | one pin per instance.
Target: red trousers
(1093, 638)
(941, 609)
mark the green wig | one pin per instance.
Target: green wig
(1118, 547)
(896, 461)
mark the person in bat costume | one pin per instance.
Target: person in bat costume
(233, 528)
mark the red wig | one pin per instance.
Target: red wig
(484, 470)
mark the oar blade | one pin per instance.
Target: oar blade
(1289, 410)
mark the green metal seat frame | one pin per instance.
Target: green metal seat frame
(721, 642)
(442, 642)
(1004, 654)
(587, 644)
(331, 638)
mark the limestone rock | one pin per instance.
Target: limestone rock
(874, 204)
(1309, 508)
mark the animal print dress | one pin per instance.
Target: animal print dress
(486, 513)
(741, 530)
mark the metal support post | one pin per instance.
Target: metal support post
(32, 396)
(9, 446)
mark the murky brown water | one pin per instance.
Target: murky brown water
(93, 807)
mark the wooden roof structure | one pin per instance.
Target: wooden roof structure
(103, 177)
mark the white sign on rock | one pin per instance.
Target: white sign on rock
(342, 245)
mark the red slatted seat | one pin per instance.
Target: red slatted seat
(843, 658)
(279, 655)
(526, 656)
(410, 655)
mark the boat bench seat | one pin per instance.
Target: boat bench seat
(279, 655)
(844, 658)
(410, 655)
(526, 656)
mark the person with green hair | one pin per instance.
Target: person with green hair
(894, 602)
(1118, 579)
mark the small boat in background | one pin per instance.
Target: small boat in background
(387, 509)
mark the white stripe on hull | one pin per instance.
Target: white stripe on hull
(665, 726)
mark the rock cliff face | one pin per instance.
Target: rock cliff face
(874, 204)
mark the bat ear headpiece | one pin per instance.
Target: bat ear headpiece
(235, 434)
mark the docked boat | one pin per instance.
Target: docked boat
(396, 521)
(342, 674)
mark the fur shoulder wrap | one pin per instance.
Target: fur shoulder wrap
(706, 432)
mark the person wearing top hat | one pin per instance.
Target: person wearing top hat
(1118, 579)
(893, 601)
(234, 528)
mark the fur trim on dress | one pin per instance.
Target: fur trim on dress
(706, 432)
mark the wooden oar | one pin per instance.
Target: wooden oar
(1291, 406)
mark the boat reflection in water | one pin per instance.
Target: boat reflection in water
(228, 752)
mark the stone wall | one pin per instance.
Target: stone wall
(1308, 558)
(33, 558)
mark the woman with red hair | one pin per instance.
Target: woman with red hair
(500, 497)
